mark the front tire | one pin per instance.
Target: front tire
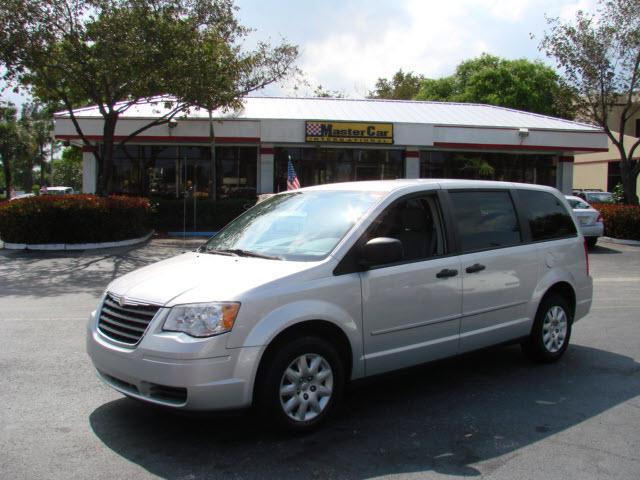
(551, 330)
(302, 384)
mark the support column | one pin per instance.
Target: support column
(89, 171)
(265, 169)
(412, 162)
(564, 175)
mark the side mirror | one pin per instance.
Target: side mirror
(381, 250)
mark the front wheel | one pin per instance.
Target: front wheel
(551, 330)
(302, 384)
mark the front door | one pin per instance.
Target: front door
(411, 309)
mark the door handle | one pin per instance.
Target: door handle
(476, 267)
(446, 273)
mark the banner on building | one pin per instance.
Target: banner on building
(348, 132)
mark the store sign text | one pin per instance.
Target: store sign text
(348, 132)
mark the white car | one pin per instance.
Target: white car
(589, 219)
(58, 191)
(316, 287)
(22, 195)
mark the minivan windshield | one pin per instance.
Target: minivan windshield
(304, 226)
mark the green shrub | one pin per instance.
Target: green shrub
(620, 221)
(169, 215)
(74, 219)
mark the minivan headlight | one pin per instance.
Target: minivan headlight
(202, 319)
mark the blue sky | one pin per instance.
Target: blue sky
(346, 45)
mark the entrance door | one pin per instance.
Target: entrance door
(192, 185)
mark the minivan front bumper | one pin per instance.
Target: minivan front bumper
(220, 382)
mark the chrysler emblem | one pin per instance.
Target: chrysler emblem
(122, 301)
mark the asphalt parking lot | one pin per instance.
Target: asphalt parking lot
(490, 414)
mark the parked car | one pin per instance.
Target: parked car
(58, 191)
(589, 219)
(316, 287)
(22, 195)
(595, 196)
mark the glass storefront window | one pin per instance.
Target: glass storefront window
(507, 167)
(170, 171)
(315, 166)
(237, 168)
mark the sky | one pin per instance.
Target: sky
(347, 45)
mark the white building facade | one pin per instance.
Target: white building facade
(331, 140)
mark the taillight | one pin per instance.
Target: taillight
(586, 256)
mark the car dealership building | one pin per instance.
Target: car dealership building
(331, 140)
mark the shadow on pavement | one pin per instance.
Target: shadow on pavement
(599, 250)
(443, 417)
(24, 272)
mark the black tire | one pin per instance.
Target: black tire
(591, 241)
(271, 404)
(543, 344)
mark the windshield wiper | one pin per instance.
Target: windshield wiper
(214, 251)
(236, 252)
(248, 253)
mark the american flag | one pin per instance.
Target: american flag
(292, 178)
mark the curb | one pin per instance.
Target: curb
(76, 246)
(620, 241)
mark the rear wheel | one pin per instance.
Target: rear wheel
(302, 384)
(551, 330)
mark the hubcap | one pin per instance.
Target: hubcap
(306, 387)
(554, 329)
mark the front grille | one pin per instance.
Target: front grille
(125, 324)
(174, 395)
(162, 393)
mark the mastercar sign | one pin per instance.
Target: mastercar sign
(348, 132)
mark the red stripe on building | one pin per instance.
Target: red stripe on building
(164, 138)
(412, 154)
(497, 146)
(267, 150)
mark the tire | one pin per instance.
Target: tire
(299, 403)
(551, 330)
(591, 241)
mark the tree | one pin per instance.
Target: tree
(599, 55)
(402, 86)
(117, 53)
(9, 142)
(38, 118)
(321, 92)
(519, 84)
(67, 171)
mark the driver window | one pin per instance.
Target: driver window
(416, 223)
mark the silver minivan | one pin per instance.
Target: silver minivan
(320, 286)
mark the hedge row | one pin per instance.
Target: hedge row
(620, 221)
(74, 219)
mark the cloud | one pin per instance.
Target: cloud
(375, 39)
(426, 38)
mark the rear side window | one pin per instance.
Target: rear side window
(485, 219)
(547, 216)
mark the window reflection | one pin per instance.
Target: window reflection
(171, 171)
(508, 167)
(315, 166)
